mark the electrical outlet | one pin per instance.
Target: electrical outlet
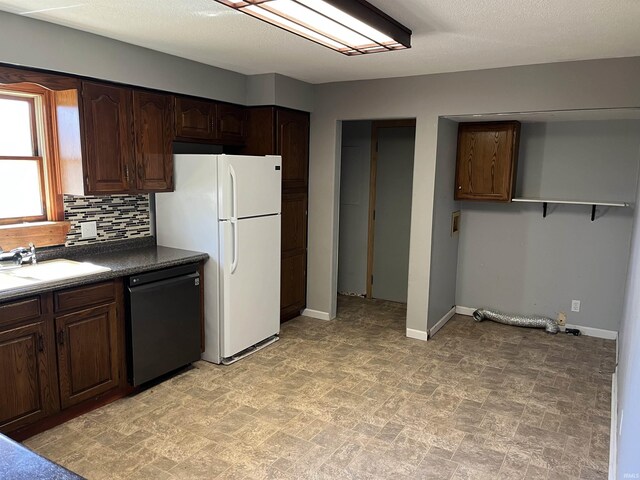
(562, 319)
(575, 305)
(88, 230)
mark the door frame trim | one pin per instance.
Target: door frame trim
(373, 175)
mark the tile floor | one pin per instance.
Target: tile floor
(355, 399)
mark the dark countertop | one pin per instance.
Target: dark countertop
(19, 463)
(123, 259)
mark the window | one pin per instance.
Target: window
(23, 191)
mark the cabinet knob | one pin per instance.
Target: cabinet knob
(459, 187)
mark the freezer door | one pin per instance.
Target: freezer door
(250, 282)
(248, 186)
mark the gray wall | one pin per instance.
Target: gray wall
(276, 89)
(559, 86)
(394, 181)
(33, 43)
(628, 428)
(579, 160)
(444, 246)
(512, 259)
(354, 207)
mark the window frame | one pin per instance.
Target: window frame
(44, 139)
(36, 137)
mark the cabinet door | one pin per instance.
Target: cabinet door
(108, 135)
(293, 282)
(27, 378)
(293, 144)
(152, 120)
(230, 124)
(486, 161)
(293, 286)
(260, 138)
(195, 119)
(87, 353)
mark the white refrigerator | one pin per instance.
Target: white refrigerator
(229, 207)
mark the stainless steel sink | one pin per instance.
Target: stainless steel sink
(49, 271)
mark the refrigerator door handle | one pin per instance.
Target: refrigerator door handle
(234, 193)
(234, 230)
(234, 217)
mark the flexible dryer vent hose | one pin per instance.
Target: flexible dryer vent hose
(532, 321)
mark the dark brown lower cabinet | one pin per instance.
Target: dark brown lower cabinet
(28, 383)
(293, 279)
(87, 353)
(61, 355)
(292, 288)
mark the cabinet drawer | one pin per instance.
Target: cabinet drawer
(20, 311)
(81, 297)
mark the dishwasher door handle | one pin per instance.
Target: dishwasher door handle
(169, 281)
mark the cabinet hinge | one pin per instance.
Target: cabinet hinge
(371, 279)
(374, 214)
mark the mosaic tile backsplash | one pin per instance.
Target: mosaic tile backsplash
(117, 217)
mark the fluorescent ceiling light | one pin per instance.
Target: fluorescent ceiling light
(351, 27)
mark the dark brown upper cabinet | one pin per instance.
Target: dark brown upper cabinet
(153, 132)
(195, 119)
(207, 121)
(279, 131)
(292, 142)
(486, 161)
(127, 140)
(231, 122)
(108, 138)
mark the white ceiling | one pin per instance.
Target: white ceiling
(448, 35)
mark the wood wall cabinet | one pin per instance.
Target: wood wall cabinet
(231, 124)
(210, 122)
(58, 351)
(108, 138)
(153, 133)
(127, 140)
(280, 131)
(292, 142)
(195, 119)
(487, 160)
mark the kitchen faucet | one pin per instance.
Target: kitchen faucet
(28, 255)
(18, 256)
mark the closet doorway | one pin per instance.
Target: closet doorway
(376, 185)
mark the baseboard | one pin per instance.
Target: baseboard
(465, 310)
(307, 312)
(613, 442)
(417, 334)
(442, 321)
(595, 332)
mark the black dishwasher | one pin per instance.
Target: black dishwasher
(163, 322)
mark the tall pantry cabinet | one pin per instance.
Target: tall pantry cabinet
(285, 132)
